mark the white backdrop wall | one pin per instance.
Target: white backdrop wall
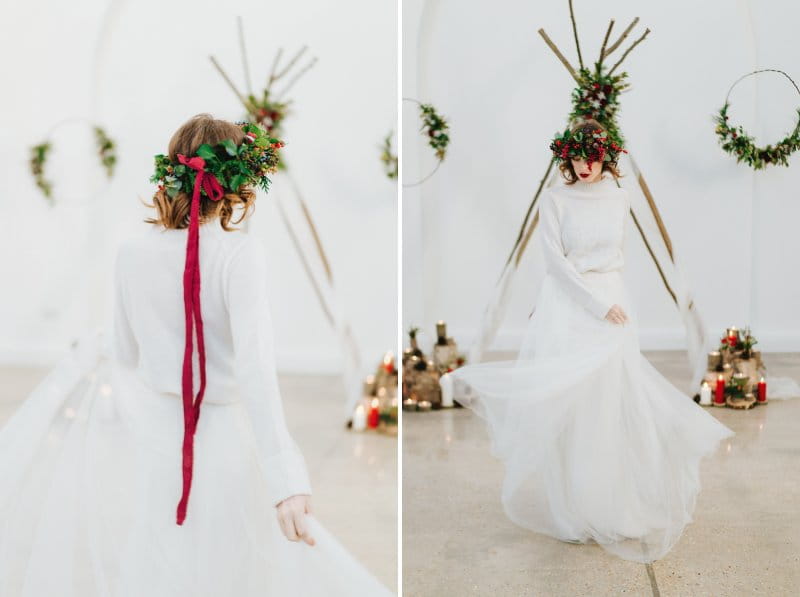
(483, 65)
(141, 69)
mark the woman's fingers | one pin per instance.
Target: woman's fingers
(302, 528)
(287, 524)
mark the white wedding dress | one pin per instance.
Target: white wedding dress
(598, 446)
(90, 464)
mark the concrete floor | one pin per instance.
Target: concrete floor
(353, 475)
(745, 538)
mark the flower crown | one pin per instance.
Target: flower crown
(594, 146)
(231, 165)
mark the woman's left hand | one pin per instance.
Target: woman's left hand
(292, 518)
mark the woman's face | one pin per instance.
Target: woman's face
(585, 173)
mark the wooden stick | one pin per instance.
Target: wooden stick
(274, 68)
(315, 235)
(605, 41)
(575, 34)
(651, 202)
(653, 256)
(225, 76)
(559, 55)
(291, 63)
(306, 266)
(524, 244)
(628, 51)
(521, 233)
(243, 50)
(621, 37)
(294, 79)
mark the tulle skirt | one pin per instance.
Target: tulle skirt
(89, 483)
(598, 446)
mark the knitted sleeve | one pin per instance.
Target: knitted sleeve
(252, 332)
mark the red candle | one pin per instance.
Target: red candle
(719, 393)
(762, 390)
(374, 416)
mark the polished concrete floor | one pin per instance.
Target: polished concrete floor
(745, 538)
(353, 475)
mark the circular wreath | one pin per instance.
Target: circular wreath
(436, 129)
(233, 165)
(40, 152)
(735, 141)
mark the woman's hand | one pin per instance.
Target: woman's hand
(616, 315)
(291, 516)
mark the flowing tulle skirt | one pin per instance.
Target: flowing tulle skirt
(89, 482)
(597, 444)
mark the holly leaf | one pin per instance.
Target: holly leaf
(205, 151)
(229, 146)
(237, 181)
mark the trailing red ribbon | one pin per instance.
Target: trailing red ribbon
(191, 302)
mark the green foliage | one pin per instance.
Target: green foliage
(389, 158)
(595, 97)
(105, 149)
(735, 141)
(37, 162)
(234, 166)
(436, 127)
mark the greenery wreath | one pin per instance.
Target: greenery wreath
(389, 157)
(436, 128)
(233, 165)
(106, 150)
(595, 147)
(735, 141)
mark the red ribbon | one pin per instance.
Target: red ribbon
(191, 302)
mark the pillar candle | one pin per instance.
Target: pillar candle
(446, 382)
(719, 396)
(762, 390)
(360, 418)
(705, 394)
(374, 416)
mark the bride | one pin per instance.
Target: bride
(598, 446)
(115, 478)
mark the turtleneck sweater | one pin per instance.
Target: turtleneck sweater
(583, 230)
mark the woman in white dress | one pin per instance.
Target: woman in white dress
(598, 446)
(112, 483)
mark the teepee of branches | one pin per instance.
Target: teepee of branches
(269, 108)
(596, 96)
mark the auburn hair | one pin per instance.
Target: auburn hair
(587, 126)
(173, 212)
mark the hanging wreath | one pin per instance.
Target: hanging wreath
(436, 129)
(106, 151)
(389, 157)
(735, 141)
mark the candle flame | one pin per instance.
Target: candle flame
(375, 403)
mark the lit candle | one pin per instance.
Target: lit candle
(719, 396)
(388, 362)
(360, 418)
(762, 390)
(374, 416)
(733, 336)
(705, 394)
(446, 383)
